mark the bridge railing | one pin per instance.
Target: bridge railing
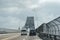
(48, 31)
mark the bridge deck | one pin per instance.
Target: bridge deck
(17, 36)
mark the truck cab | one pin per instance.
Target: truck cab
(23, 32)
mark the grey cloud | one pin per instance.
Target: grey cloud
(42, 14)
(17, 3)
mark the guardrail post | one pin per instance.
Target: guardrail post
(47, 35)
(50, 36)
(55, 37)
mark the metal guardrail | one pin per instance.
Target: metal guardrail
(50, 29)
(49, 36)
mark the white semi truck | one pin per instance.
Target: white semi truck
(24, 32)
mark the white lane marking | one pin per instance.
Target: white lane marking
(23, 39)
(37, 39)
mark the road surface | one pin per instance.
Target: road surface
(17, 36)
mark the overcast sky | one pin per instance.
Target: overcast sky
(13, 13)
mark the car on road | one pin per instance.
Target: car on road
(32, 33)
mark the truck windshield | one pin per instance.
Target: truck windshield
(23, 30)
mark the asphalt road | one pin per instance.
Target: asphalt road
(17, 36)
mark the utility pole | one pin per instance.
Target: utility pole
(18, 28)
